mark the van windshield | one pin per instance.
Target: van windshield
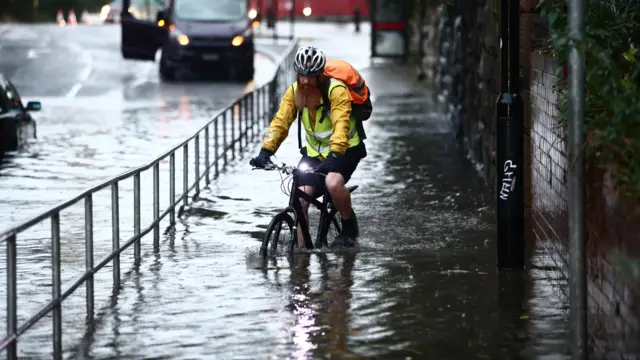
(210, 10)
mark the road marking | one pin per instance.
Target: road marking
(74, 90)
(86, 71)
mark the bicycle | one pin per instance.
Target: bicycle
(328, 214)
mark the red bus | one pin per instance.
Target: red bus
(319, 8)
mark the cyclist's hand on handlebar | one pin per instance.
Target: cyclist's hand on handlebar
(262, 160)
(328, 164)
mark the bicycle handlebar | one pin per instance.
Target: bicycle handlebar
(286, 169)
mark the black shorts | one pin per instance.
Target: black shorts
(345, 166)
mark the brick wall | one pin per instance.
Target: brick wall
(613, 231)
(613, 220)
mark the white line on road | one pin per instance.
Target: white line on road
(86, 71)
(74, 90)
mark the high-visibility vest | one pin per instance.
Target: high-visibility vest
(318, 139)
(343, 71)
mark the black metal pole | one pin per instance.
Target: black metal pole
(292, 17)
(356, 17)
(510, 144)
(372, 18)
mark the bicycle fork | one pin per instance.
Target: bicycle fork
(300, 220)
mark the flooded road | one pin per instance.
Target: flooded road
(101, 115)
(421, 284)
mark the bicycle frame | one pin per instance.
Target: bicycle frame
(327, 212)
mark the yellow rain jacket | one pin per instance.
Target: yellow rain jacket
(336, 133)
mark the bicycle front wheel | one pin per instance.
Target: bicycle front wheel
(279, 235)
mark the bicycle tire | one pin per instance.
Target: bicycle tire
(275, 228)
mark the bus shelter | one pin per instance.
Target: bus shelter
(390, 28)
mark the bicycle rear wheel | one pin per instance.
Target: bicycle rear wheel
(279, 235)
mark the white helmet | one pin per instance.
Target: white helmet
(309, 61)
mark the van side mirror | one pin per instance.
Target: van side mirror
(33, 106)
(161, 15)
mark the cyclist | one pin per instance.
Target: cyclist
(333, 143)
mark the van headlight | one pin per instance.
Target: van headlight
(239, 39)
(179, 36)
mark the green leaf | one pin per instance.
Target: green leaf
(553, 16)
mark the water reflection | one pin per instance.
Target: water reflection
(320, 304)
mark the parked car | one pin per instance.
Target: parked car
(16, 124)
(196, 35)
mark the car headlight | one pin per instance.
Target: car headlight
(239, 39)
(180, 37)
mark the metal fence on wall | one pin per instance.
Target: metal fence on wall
(203, 156)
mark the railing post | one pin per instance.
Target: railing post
(273, 89)
(115, 233)
(224, 137)
(56, 290)
(252, 119)
(259, 109)
(156, 205)
(185, 174)
(172, 188)
(136, 219)
(264, 106)
(216, 145)
(247, 119)
(243, 118)
(197, 165)
(240, 118)
(206, 155)
(12, 297)
(88, 253)
(233, 132)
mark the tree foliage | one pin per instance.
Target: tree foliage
(612, 113)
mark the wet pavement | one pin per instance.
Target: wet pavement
(421, 284)
(101, 115)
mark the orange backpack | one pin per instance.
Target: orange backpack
(356, 86)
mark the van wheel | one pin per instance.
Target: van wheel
(246, 71)
(167, 73)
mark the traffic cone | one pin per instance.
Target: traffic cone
(60, 18)
(84, 17)
(72, 17)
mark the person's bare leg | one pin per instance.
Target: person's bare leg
(339, 194)
(305, 212)
(342, 202)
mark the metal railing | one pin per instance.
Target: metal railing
(250, 114)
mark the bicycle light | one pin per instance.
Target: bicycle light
(303, 166)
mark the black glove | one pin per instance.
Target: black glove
(262, 160)
(329, 164)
